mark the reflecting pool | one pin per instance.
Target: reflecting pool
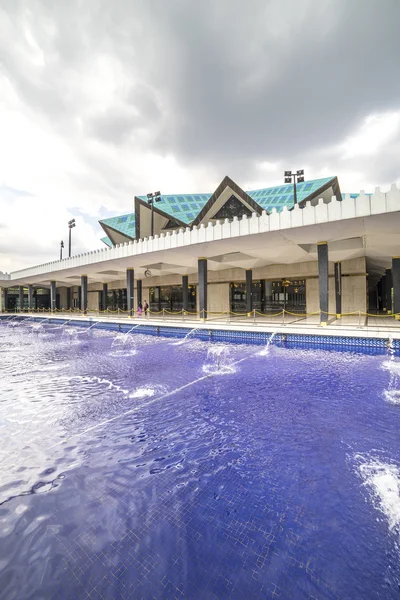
(136, 466)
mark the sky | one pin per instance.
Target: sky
(101, 101)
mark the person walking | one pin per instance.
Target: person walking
(140, 309)
(145, 308)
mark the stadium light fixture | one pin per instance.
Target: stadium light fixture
(151, 198)
(297, 177)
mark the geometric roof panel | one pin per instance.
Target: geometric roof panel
(125, 224)
(106, 240)
(282, 195)
(184, 207)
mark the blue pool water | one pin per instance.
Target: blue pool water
(143, 467)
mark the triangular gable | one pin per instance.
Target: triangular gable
(141, 203)
(226, 187)
(233, 207)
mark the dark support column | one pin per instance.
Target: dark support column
(389, 286)
(84, 293)
(21, 297)
(262, 295)
(104, 294)
(139, 287)
(323, 276)
(68, 298)
(5, 298)
(384, 305)
(379, 289)
(30, 296)
(396, 285)
(338, 289)
(202, 269)
(185, 292)
(129, 291)
(249, 291)
(53, 296)
(79, 297)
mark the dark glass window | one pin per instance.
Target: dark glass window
(170, 298)
(270, 296)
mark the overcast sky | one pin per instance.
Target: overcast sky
(102, 100)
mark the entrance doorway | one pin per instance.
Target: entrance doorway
(170, 297)
(270, 296)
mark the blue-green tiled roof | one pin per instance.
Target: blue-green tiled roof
(106, 240)
(125, 224)
(184, 207)
(282, 195)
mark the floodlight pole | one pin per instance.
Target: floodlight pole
(297, 177)
(151, 198)
(152, 218)
(61, 249)
(71, 225)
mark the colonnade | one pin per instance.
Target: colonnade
(388, 300)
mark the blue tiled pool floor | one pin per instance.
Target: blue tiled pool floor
(144, 466)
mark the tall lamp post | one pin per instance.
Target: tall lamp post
(61, 249)
(71, 225)
(151, 198)
(289, 177)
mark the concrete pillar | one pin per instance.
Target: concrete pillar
(69, 294)
(202, 272)
(267, 294)
(338, 289)
(323, 277)
(383, 283)
(379, 292)
(249, 291)
(139, 287)
(79, 297)
(389, 286)
(104, 295)
(21, 297)
(129, 291)
(185, 292)
(53, 296)
(396, 285)
(84, 292)
(262, 295)
(30, 296)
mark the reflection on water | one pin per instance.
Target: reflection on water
(133, 469)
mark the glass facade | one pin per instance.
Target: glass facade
(270, 296)
(41, 299)
(116, 299)
(170, 297)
